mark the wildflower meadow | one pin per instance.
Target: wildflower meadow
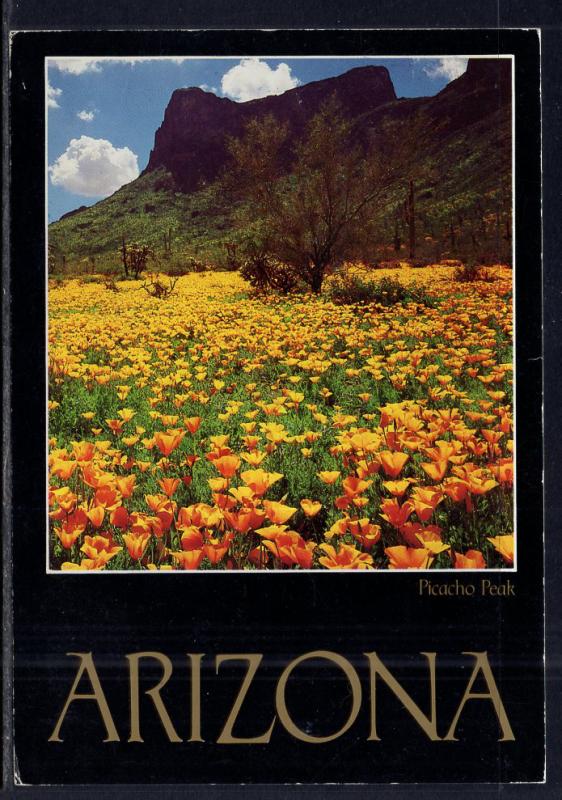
(220, 429)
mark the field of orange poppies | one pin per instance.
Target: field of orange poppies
(215, 430)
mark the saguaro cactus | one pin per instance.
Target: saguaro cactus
(410, 217)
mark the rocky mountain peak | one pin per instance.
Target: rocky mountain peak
(191, 142)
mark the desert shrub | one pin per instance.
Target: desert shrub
(185, 266)
(195, 265)
(471, 271)
(56, 281)
(110, 284)
(351, 289)
(155, 286)
(264, 272)
(134, 257)
(232, 258)
(86, 279)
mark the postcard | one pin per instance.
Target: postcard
(284, 391)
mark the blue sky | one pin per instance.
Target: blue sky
(103, 113)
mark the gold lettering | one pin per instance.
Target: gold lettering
(428, 724)
(482, 665)
(281, 704)
(153, 693)
(226, 737)
(195, 660)
(87, 665)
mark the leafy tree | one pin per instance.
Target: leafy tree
(314, 202)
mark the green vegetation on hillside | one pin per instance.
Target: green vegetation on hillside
(462, 209)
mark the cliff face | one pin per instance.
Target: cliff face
(191, 142)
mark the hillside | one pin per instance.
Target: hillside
(177, 207)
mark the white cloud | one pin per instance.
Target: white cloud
(73, 65)
(94, 167)
(52, 95)
(207, 88)
(86, 116)
(449, 67)
(252, 78)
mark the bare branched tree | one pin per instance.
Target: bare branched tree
(317, 210)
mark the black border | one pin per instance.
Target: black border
(551, 319)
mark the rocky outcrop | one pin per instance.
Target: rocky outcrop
(191, 142)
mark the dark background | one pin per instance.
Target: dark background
(281, 616)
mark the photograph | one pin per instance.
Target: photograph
(280, 313)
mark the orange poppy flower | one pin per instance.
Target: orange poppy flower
(77, 521)
(354, 486)
(64, 498)
(310, 507)
(430, 538)
(136, 544)
(126, 485)
(472, 559)
(169, 485)
(277, 512)
(366, 533)
(86, 565)
(120, 517)
(480, 483)
(200, 514)
(107, 497)
(393, 462)
(329, 477)
(156, 501)
(67, 538)
(346, 557)
(83, 451)
(259, 481)
(244, 520)
(165, 518)
(100, 548)
(425, 500)
(227, 465)
(254, 458)
(435, 469)
(192, 424)
(215, 549)
(408, 557)
(96, 515)
(191, 538)
(63, 468)
(188, 559)
(297, 553)
(168, 442)
(395, 513)
(396, 488)
(504, 545)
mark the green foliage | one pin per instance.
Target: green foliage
(351, 289)
(178, 227)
